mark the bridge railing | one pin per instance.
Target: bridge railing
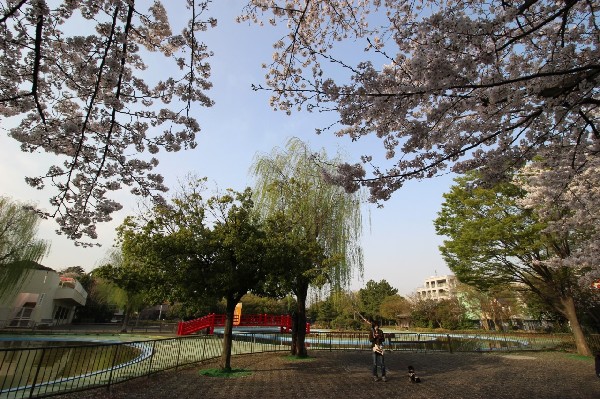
(209, 322)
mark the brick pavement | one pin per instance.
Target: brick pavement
(346, 375)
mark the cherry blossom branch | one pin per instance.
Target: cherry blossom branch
(11, 12)
(89, 107)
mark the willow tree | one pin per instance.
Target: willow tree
(18, 243)
(125, 284)
(320, 222)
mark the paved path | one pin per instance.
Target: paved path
(346, 375)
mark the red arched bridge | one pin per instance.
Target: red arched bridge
(209, 322)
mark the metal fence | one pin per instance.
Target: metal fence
(36, 372)
(135, 326)
(451, 342)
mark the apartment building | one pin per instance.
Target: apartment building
(44, 298)
(437, 287)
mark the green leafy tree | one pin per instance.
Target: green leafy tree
(321, 224)
(73, 272)
(450, 314)
(19, 246)
(372, 296)
(196, 250)
(493, 242)
(126, 284)
(393, 307)
(255, 304)
(99, 308)
(494, 307)
(423, 313)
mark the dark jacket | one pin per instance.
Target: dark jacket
(376, 338)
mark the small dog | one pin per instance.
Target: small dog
(412, 377)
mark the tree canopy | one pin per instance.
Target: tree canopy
(319, 223)
(194, 248)
(492, 242)
(568, 210)
(443, 84)
(372, 296)
(127, 285)
(85, 96)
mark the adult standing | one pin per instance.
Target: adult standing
(377, 339)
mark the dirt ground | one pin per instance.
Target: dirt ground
(347, 375)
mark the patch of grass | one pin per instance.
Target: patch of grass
(221, 373)
(297, 358)
(580, 357)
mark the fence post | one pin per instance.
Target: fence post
(178, 353)
(112, 367)
(151, 358)
(37, 372)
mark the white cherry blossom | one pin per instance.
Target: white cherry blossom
(73, 77)
(446, 85)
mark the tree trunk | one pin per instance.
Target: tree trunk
(568, 310)
(126, 316)
(228, 336)
(299, 324)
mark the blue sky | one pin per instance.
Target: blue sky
(399, 240)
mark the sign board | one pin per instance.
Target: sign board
(237, 314)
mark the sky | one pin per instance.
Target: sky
(398, 241)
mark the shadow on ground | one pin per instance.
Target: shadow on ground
(346, 375)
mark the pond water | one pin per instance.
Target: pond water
(61, 358)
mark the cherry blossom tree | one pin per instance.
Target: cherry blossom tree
(493, 243)
(75, 83)
(571, 211)
(443, 84)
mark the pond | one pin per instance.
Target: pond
(25, 360)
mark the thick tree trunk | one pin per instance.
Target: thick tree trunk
(299, 325)
(568, 309)
(225, 363)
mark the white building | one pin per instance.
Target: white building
(437, 287)
(44, 298)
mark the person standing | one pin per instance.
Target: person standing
(377, 339)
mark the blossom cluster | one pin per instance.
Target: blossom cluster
(75, 77)
(444, 84)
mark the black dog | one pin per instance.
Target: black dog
(412, 376)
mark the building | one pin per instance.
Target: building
(437, 287)
(44, 299)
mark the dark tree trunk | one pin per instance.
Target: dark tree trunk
(299, 324)
(225, 363)
(126, 317)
